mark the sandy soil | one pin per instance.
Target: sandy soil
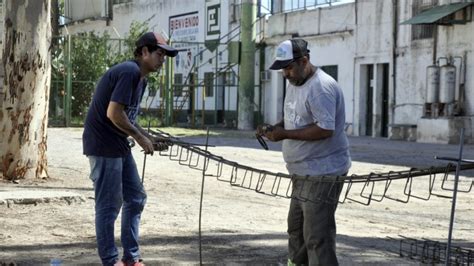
(239, 226)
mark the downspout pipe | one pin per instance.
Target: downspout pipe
(394, 56)
(435, 43)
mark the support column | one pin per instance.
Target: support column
(247, 65)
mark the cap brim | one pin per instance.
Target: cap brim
(280, 64)
(169, 51)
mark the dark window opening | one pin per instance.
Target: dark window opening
(209, 84)
(422, 31)
(331, 71)
(178, 84)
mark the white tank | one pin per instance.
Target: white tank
(447, 83)
(432, 84)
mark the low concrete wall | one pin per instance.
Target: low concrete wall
(402, 132)
(444, 130)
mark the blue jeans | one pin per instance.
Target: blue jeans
(117, 185)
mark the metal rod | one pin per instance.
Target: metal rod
(455, 192)
(374, 187)
(144, 157)
(431, 252)
(453, 159)
(143, 170)
(200, 201)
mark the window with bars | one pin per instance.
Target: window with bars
(209, 83)
(331, 70)
(295, 5)
(422, 31)
(178, 84)
(116, 2)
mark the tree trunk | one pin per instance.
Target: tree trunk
(55, 18)
(24, 103)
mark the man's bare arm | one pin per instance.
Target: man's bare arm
(116, 114)
(312, 132)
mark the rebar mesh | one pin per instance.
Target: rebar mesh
(434, 252)
(363, 189)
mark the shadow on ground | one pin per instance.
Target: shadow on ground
(218, 248)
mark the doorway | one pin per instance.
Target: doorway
(369, 106)
(374, 99)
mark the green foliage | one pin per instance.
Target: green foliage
(90, 56)
(143, 121)
(137, 29)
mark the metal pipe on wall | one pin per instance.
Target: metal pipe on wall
(394, 57)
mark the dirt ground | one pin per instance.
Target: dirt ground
(239, 226)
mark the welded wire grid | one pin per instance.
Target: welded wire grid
(434, 252)
(364, 189)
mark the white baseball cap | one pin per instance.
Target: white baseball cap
(288, 51)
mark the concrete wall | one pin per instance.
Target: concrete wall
(374, 46)
(359, 38)
(416, 55)
(356, 37)
(157, 13)
(78, 10)
(413, 58)
(330, 34)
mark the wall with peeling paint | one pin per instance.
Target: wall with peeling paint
(370, 45)
(330, 35)
(353, 36)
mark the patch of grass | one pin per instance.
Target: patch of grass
(144, 120)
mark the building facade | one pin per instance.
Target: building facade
(401, 79)
(405, 66)
(204, 76)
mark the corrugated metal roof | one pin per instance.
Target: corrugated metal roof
(436, 13)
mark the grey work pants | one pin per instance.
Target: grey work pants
(312, 227)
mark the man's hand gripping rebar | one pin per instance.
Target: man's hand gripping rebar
(261, 130)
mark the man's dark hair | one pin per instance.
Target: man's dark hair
(138, 50)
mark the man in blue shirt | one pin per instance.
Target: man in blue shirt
(314, 144)
(110, 120)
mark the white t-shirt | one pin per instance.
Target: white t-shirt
(318, 101)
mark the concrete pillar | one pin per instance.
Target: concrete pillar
(247, 65)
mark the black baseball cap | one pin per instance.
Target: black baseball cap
(156, 39)
(288, 51)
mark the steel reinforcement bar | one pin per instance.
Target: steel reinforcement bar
(434, 252)
(363, 189)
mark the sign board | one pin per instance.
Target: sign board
(213, 24)
(184, 32)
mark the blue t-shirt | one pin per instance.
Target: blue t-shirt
(121, 84)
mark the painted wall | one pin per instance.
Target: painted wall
(78, 10)
(374, 45)
(363, 41)
(330, 35)
(416, 55)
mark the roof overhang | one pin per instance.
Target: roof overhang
(436, 14)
